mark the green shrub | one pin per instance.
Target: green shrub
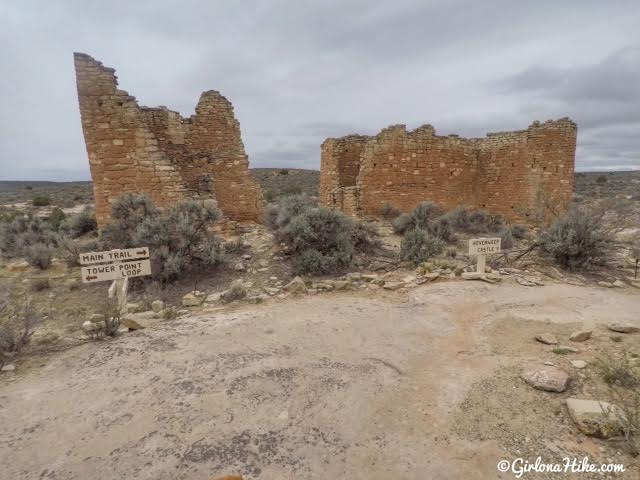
(40, 284)
(18, 320)
(418, 246)
(237, 291)
(578, 240)
(80, 224)
(365, 237)
(618, 371)
(424, 213)
(56, 217)
(112, 317)
(506, 239)
(320, 240)
(280, 214)
(442, 228)
(70, 250)
(479, 221)
(179, 239)
(23, 233)
(601, 179)
(459, 218)
(324, 230)
(402, 223)
(389, 211)
(40, 255)
(519, 231)
(41, 200)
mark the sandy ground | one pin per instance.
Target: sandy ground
(416, 386)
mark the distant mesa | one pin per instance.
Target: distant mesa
(157, 152)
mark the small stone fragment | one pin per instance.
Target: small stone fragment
(546, 338)
(580, 364)
(193, 299)
(580, 336)
(622, 328)
(296, 285)
(547, 378)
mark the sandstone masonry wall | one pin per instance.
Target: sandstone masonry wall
(524, 175)
(157, 152)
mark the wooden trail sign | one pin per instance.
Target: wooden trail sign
(118, 255)
(118, 265)
(115, 271)
(481, 247)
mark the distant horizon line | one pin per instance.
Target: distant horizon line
(624, 170)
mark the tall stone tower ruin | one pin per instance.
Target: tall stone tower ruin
(157, 152)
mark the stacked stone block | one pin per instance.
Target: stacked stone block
(527, 175)
(157, 152)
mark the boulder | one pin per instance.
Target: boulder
(134, 307)
(530, 281)
(580, 336)
(563, 349)
(193, 299)
(622, 328)
(340, 284)
(547, 378)
(18, 266)
(157, 306)
(596, 418)
(391, 285)
(296, 285)
(485, 277)
(213, 297)
(139, 321)
(546, 338)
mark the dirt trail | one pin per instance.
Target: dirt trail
(332, 386)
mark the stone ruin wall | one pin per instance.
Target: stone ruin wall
(157, 152)
(525, 175)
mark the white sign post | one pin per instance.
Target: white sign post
(117, 265)
(481, 247)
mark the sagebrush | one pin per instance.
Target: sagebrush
(319, 239)
(180, 238)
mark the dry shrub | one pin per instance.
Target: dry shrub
(579, 240)
(622, 376)
(179, 239)
(419, 246)
(18, 320)
(320, 240)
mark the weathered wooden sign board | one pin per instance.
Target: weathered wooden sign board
(481, 247)
(115, 271)
(118, 265)
(120, 255)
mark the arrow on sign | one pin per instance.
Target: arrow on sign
(91, 278)
(141, 252)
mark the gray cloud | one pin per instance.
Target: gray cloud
(602, 97)
(300, 71)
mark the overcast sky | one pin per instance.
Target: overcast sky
(299, 71)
